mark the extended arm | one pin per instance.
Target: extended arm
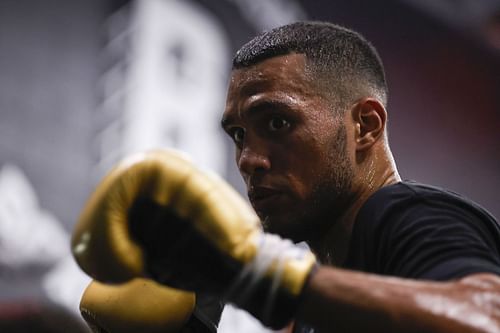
(157, 216)
(349, 301)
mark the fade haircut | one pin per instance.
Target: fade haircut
(341, 61)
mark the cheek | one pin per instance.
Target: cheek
(305, 164)
(237, 156)
(318, 153)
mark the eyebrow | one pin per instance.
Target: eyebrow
(258, 107)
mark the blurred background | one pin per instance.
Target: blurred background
(83, 83)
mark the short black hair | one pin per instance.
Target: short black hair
(346, 62)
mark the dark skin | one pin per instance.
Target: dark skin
(288, 141)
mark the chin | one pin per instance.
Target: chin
(285, 227)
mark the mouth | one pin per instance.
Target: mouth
(263, 197)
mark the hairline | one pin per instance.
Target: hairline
(318, 77)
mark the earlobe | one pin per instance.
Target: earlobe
(370, 118)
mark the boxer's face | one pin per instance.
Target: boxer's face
(290, 147)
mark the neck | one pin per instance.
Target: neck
(332, 247)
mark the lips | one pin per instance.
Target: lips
(263, 197)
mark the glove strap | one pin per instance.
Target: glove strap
(259, 286)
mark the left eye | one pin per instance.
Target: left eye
(277, 123)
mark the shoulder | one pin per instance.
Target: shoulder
(408, 198)
(410, 229)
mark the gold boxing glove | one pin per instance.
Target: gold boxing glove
(140, 306)
(156, 215)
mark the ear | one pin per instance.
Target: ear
(370, 118)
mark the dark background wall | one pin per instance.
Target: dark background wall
(49, 66)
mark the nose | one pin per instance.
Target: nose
(251, 161)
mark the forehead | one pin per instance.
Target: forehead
(280, 74)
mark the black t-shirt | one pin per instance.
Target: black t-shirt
(419, 231)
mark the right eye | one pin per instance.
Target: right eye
(237, 134)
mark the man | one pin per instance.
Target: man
(306, 109)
